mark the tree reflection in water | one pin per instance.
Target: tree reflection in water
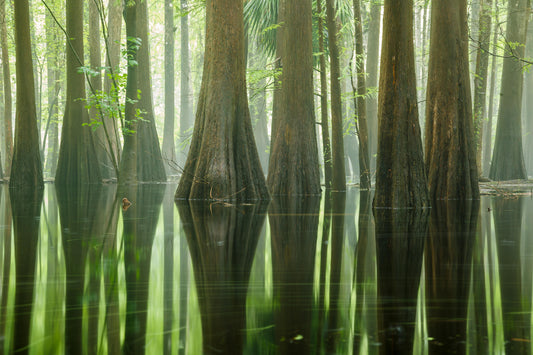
(400, 238)
(448, 279)
(222, 241)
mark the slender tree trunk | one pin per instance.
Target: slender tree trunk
(128, 163)
(527, 107)
(338, 182)
(26, 168)
(54, 86)
(487, 136)
(223, 162)
(481, 77)
(150, 165)
(8, 103)
(362, 132)
(372, 63)
(169, 150)
(113, 56)
(508, 156)
(294, 166)
(326, 143)
(400, 177)
(186, 116)
(450, 147)
(78, 163)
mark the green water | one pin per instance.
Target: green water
(81, 275)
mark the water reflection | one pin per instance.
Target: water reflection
(222, 239)
(400, 239)
(323, 276)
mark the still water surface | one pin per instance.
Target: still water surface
(80, 275)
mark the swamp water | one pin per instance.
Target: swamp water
(81, 275)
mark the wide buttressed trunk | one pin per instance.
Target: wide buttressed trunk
(400, 176)
(450, 146)
(508, 156)
(77, 164)
(26, 170)
(294, 168)
(223, 162)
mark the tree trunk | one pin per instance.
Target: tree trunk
(508, 157)
(26, 169)
(362, 132)
(487, 136)
(326, 143)
(54, 86)
(150, 165)
(294, 166)
(186, 119)
(450, 146)
(338, 182)
(527, 107)
(400, 177)
(8, 102)
(77, 164)
(113, 56)
(169, 150)
(481, 76)
(223, 162)
(372, 63)
(128, 163)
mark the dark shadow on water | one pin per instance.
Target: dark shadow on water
(140, 222)
(293, 226)
(86, 214)
(26, 208)
(222, 241)
(448, 262)
(400, 239)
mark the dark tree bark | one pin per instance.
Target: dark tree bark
(508, 156)
(481, 77)
(78, 163)
(8, 102)
(294, 168)
(223, 162)
(338, 178)
(362, 131)
(150, 165)
(169, 150)
(26, 168)
(400, 176)
(450, 146)
(326, 143)
(128, 163)
(186, 119)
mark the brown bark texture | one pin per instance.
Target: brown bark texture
(481, 77)
(400, 176)
(77, 164)
(338, 182)
(508, 156)
(294, 168)
(26, 168)
(450, 146)
(223, 162)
